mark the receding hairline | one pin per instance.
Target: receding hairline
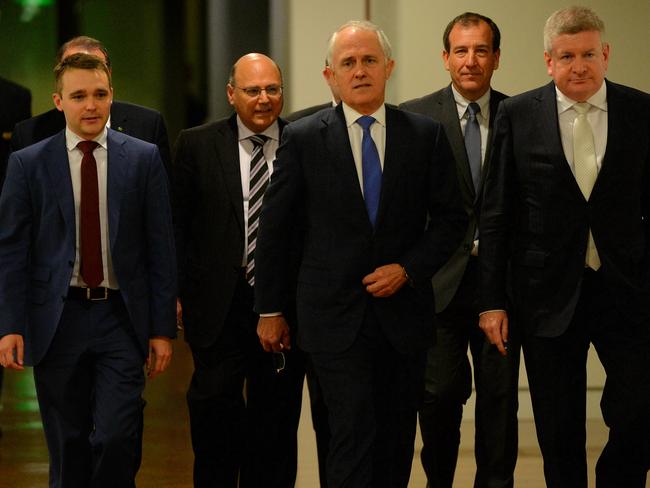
(362, 25)
(233, 69)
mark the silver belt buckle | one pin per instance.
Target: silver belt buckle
(89, 297)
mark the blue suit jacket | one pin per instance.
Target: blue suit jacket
(37, 240)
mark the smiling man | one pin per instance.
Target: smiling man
(87, 280)
(567, 215)
(467, 108)
(220, 172)
(372, 194)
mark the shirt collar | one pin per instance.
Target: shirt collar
(72, 139)
(272, 131)
(462, 103)
(598, 99)
(352, 115)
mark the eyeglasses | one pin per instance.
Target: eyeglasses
(279, 361)
(256, 91)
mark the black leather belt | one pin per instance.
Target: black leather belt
(91, 294)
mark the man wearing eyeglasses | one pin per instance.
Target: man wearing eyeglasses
(220, 172)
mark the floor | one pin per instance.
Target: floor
(167, 457)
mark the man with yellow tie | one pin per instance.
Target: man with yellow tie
(567, 204)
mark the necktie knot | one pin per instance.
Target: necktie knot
(473, 109)
(365, 121)
(87, 147)
(582, 108)
(258, 140)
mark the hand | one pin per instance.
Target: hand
(274, 333)
(495, 326)
(385, 280)
(12, 351)
(160, 355)
(179, 314)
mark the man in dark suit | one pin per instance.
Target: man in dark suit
(372, 192)
(220, 172)
(16, 103)
(471, 54)
(137, 121)
(87, 280)
(567, 202)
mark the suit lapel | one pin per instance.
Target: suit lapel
(58, 168)
(549, 131)
(620, 131)
(395, 132)
(226, 145)
(449, 118)
(118, 170)
(337, 142)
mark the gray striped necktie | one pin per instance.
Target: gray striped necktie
(259, 179)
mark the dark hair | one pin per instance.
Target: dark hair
(472, 18)
(79, 61)
(86, 43)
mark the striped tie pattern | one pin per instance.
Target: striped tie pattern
(259, 179)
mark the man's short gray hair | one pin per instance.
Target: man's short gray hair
(360, 25)
(571, 20)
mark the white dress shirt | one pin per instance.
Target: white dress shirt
(101, 157)
(245, 155)
(355, 133)
(483, 117)
(597, 117)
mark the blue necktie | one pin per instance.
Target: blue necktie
(473, 143)
(370, 168)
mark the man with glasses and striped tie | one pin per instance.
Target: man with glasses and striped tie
(221, 171)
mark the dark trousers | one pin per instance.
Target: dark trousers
(319, 420)
(89, 387)
(372, 393)
(557, 376)
(253, 438)
(448, 385)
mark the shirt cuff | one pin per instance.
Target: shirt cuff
(271, 314)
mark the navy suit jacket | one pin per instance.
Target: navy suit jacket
(315, 189)
(135, 120)
(535, 213)
(37, 240)
(441, 106)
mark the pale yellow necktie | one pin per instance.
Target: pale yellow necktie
(586, 169)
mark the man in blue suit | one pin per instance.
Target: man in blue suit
(373, 195)
(87, 280)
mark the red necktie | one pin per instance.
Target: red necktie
(92, 270)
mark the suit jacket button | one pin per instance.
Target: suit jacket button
(71, 264)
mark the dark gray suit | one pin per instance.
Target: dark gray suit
(448, 380)
(536, 219)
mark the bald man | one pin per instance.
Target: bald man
(220, 173)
